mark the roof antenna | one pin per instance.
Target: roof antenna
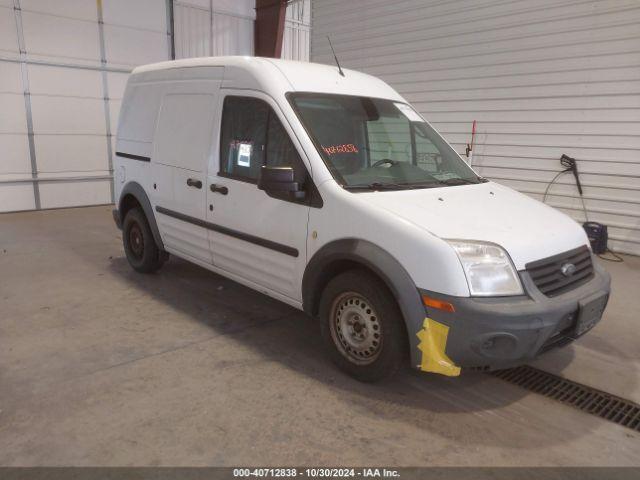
(335, 57)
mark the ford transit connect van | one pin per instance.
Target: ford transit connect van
(329, 192)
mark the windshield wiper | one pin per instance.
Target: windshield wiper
(458, 181)
(409, 186)
(377, 186)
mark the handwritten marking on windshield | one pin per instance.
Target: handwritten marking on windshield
(344, 148)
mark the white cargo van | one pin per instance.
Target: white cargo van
(331, 193)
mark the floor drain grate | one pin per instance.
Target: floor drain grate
(596, 402)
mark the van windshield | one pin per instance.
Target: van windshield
(375, 144)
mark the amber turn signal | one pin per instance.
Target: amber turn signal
(439, 304)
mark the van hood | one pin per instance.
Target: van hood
(527, 229)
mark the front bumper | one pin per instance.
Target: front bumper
(502, 332)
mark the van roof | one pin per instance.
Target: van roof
(280, 76)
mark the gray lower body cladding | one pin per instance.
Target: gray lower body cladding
(501, 332)
(116, 218)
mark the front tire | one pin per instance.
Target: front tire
(362, 326)
(141, 250)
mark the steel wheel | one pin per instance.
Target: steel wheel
(355, 328)
(136, 241)
(139, 245)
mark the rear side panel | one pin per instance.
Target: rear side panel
(164, 140)
(136, 126)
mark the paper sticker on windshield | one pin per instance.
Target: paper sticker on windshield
(345, 148)
(408, 112)
(244, 155)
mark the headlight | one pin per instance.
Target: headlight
(488, 269)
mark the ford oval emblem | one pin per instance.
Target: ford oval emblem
(568, 269)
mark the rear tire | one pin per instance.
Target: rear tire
(362, 326)
(143, 254)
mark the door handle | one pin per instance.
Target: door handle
(219, 189)
(194, 183)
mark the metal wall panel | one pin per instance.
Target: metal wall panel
(12, 102)
(61, 95)
(117, 83)
(232, 34)
(71, 155)
(192, 30)
(8, 39)
(16, 196)
(64, 82)
(213, 28)
(68, 121)
(15, 155)
(13, 127)
(144, 15)
(226, 27)
(59, 38)
(541, 77)
(297, 31)
(71, 194)
(14, 143)
(128, 47)
(77, 9)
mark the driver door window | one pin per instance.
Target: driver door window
(253, 136)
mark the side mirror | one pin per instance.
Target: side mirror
(279, 182)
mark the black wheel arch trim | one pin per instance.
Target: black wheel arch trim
(137, 191)
(380, 262)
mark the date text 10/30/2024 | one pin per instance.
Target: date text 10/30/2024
(316, 472)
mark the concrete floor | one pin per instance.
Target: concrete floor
(103, 366)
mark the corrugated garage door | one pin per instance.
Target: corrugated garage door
(62, 75)
(63, 69)
(541, 77)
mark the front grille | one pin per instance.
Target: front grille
(547, 273)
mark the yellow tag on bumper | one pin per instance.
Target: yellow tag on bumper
(433, 341)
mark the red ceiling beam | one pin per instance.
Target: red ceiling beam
(269, 27)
